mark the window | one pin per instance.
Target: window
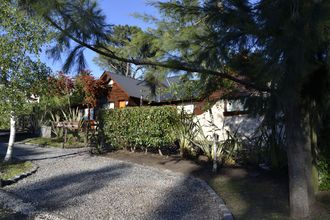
(234, 107)
(110, 105)
(88, 114)
(122, 104)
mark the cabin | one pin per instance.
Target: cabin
(124, 91)
(127, 92)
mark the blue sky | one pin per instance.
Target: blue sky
(117, 12)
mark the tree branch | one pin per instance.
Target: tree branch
(176, 65)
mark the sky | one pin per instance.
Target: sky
(117, 12)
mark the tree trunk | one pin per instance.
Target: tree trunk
(315, 174)
(11, 142)
(128, 68)
(215, 149)
(299, 162)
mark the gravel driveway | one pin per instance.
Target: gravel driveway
(80, 186)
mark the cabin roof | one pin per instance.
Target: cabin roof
(133, 87)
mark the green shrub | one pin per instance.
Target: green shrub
(141, 127)
(324, 174)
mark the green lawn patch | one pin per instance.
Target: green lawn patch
(253, 197)
(10, 170)
(54, 142)
(262, 197)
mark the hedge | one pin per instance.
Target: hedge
(141, 127)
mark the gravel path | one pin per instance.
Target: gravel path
(86, 187)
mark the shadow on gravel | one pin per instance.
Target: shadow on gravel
(61, 191)
(54, 157)
(31, 152)
(188, 200)
(19, 150)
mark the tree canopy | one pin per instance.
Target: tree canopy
(21, 74)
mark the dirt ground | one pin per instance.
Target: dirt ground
(249, 193)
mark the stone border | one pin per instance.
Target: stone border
(227, 215)
(15, 179)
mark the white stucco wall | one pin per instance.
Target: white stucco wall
(188, 108)
(243, 124)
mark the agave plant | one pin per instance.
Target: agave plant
(55, 120)
(204, 143)
(186, 133)
(73, 115)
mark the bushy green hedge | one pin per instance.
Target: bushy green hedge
(141, 127)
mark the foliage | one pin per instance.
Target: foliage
(324, 175)
(227, 150)
(186, 132)
(88, 90)
(120, 37)
(63, 90)
(55, 119)
(22, 76)
(193, 141)
(67, 17)
(68, 115)
(60, 85)
(73, 115)
(141, 127)
(4, 121)
(38, 118)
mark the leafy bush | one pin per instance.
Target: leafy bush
(141, 127)
(324, 174)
